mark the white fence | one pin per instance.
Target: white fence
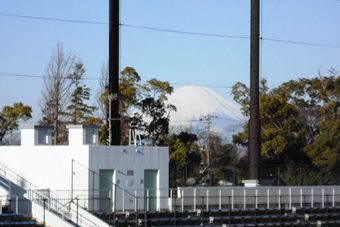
(256, 197)
(215, 198)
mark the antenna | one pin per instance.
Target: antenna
(207, 120)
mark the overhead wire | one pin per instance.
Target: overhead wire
(230, 36)
(184, 32)
(2, 74)
(54, 19)
(270, 39)
(38, 76)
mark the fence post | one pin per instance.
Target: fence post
(333, 198)
(268, 201)
(232, 199)
(123, 200)
(301, 199)
(194, 199)
(182, 200)
(147, 200)
(207, 199)
(16, 204)
(136, 208)
(312, 198)
(175, 206)
(244, 199)
(256, 194)
(77, 199)
(219, 200)
(279, 198)
(115, 205)
(323, 198)
(290, 198)
(44, 220)
(136, 201)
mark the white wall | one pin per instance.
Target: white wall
(137, 159)
(47, 167)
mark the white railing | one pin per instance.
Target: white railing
(45, 200)
(257, 197)
(212, 198)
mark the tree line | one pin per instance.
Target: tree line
(300, 124)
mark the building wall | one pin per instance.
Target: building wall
(129, 164)
(47, 167)
(77, 166)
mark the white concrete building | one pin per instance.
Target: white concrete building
(102, 178)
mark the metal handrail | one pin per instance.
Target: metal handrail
(35, 195)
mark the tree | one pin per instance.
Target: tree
(78, 111)
(281, 133)
(10, 117)
(299, 128)
(55, 96)
(142, 105)
(184, 157)
(224, 159)
(129, 91)
(153, 110)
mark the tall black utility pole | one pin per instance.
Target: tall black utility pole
(114, 116)
(254, 137)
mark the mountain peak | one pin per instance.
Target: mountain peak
(194, 102)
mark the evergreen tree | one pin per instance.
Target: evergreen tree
(78, 111)
(139, 102)
(299, 129)
(10, 117)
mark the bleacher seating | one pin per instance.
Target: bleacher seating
(7, 218)
(233, 218)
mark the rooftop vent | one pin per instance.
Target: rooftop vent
(83, 134)
(36, 135)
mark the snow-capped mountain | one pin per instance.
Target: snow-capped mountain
(193, 103)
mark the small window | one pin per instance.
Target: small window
(42, 137)
(90, 136)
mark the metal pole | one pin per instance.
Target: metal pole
(93, 190)
(72, 179)
(194, 199)
(44, 200)
(77, 212)
(219, 200)
(254, 136)
(114, 71)
(115, 205)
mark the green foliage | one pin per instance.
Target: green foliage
(142, 106)
(324, 151)
(129, 88)
(224, 159)
(152, 106)
(299, 125)
(10, 117)
(241, 95)
(184, 157)
(78, 110)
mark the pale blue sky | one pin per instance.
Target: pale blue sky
(26, 44)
